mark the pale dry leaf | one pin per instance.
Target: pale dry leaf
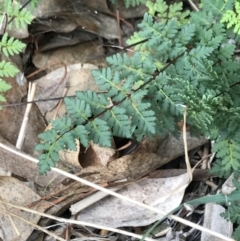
(50, 86)
(165, 193)
(16, 192)
(78, 78)
(211, 214)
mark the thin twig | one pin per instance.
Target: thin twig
(21, 136)
(189, 169)
(60, 103)
(119, 29)
(195, 8)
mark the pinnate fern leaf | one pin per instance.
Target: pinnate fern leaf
(118, 121)
(78, 109)
(10, 46)
(228, 154)
(7, 69)
(232, 18)
(98, 102)
(99, 132)
(21, 18)
(4, 86)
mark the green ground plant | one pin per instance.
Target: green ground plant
(11, 14)
(232, 17)
(184, 59)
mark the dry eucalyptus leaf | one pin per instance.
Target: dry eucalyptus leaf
(50, 86)
(78, 78)
(16, 192)
(163, 193)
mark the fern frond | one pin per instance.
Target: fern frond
(78, 109)
(11, 46)
(99, 132)
(118, 121)
(7, 69)
(228, 154)
(21, 18)
(232, 18)
(166, 12)
(4, 86)
(97, 101)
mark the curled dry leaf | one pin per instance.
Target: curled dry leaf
(96, 155)
(104, 154)
(70, 158)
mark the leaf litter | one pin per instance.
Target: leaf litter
(162, 193)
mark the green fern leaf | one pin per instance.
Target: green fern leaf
(110, 82)
(20, 18)
(48, 136)
(79, 110)
(98, 101)
(11, 46)
(99, 132)
(67, 141)
(175, 10)
(80, 132)
(226, 52)
(62, 125)
(4, 86)
(7, 69)
(143, 118)
(136, 38)
(160, 7)
(186, 34)
(34, 3)
(200, 52)
(118, 121)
